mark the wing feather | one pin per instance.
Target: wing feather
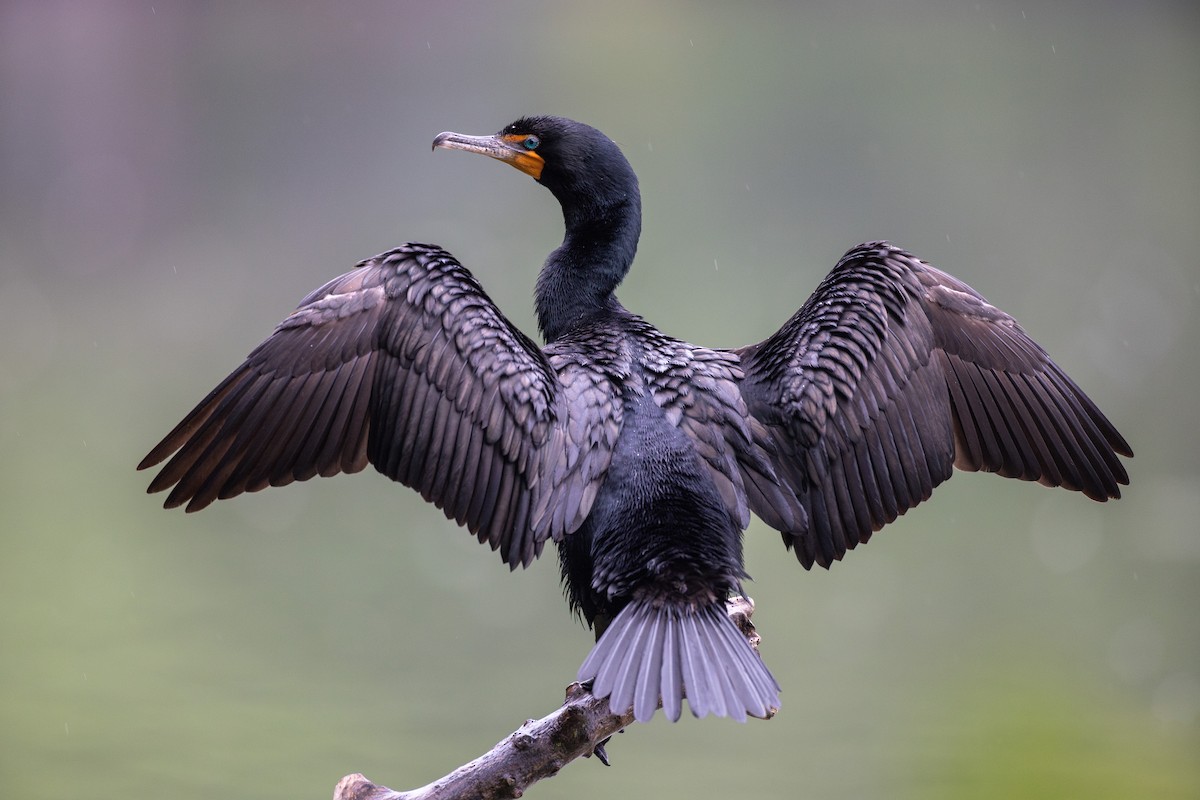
(891, 374)
(406, 364)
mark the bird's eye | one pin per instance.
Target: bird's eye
(531, 142)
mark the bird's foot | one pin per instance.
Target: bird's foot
(576, 689)
(601, 754)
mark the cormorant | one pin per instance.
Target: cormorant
(642, 456)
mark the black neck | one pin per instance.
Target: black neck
(579, 278)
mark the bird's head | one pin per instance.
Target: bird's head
(581, 166)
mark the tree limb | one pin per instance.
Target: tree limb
(536, 750)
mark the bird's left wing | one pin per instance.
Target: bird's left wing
(889, 376)
(404, 363)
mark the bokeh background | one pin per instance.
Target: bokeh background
(175, 176)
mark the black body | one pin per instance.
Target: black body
(639, 455)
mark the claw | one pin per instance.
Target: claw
(600, 753)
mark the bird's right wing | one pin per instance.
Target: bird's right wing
(891, 374)
(404, 363)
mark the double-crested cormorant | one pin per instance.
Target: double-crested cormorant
(642, 456)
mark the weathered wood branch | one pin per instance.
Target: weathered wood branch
(536, 750)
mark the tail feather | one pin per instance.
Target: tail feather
(711, 694)
(672, 677)
(649, 690)
(650, 653)
(760, 683)
(695, 679)
(625, 682)
(611, 659)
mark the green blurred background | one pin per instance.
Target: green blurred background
(175, 176)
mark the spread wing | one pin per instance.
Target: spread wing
(892, 374)
(406, 364)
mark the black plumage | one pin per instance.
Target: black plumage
(642, 456)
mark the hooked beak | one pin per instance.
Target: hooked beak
(504, 148)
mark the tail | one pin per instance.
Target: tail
(650, 652)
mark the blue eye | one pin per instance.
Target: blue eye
(531, 142)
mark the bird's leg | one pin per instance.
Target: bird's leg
(598, 751)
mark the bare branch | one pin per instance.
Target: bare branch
(536, 750)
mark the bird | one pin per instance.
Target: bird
(639, 455)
